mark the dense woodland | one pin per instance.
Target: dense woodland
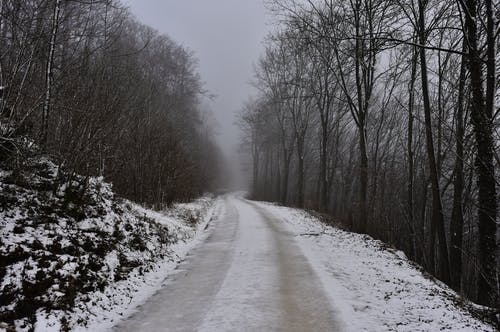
(86, 84)
(384, 114)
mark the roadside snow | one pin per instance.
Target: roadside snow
(375, 288)
(103, 310)
(123, 298)
(75, 257)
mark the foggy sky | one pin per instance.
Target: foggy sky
(226, 36)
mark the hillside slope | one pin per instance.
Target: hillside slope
(74, 255)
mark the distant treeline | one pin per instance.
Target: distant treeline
(104, 95)
(382, 113)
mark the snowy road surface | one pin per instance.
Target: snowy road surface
(269, 268)
(249, 275)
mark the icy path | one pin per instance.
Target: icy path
(249, 275)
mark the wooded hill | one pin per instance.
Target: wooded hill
(104, 95)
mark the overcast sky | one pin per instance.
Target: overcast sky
(226, 36)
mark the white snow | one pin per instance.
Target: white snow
(249, 275)
(370, 287)
(250, 291)
(121, 299)
(375, 288)
(90, 268)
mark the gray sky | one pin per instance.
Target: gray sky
(226, 36)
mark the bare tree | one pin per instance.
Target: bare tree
(418, 79)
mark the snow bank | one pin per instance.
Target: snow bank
(375, 287)
(76, 257)
(121, 299)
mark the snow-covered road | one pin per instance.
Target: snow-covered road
(249, 275)
(264, 267)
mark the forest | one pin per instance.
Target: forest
(370, 140)
(384, 115)
(86, 84)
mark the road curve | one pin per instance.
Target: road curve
(249, 275)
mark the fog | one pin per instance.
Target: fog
(226, 37)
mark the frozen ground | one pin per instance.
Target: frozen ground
(123, 298)
(249, 275)
(261, 267)
(83, 261)
(375, 288)
(270, 268)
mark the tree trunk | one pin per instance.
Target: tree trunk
(481, 115)
(437, 210)
(300, 171)
(457, 216)
(423, 221)
(255, 178)
(49, 72)
(278, 178)
(411, 214)
(323, 162)
(363, 179)
(286, 175)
